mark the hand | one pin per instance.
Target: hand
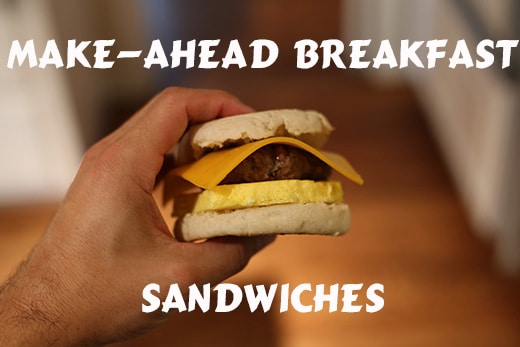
(83, 282)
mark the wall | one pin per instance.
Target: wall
(40, 142)
(473, 113)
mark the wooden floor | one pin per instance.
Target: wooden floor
(409, 232)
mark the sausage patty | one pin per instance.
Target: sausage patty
(278, 162)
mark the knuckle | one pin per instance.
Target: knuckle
(101, 158)
(171, 93)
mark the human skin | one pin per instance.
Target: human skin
(82, 283)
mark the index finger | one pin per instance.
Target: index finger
(161, 123)
(165, 118)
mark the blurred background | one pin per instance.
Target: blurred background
(437, 221)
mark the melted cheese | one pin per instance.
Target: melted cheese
(211, 169)
(266, 193)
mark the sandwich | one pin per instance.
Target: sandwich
(260, 173)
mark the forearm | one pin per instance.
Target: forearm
(29, 314)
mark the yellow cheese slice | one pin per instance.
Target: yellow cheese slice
(211, 169)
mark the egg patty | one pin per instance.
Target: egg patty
(255, 194)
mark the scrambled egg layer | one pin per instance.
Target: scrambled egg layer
(244, 195)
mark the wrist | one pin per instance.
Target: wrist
(28, 313)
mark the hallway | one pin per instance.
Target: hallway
(409, 229)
